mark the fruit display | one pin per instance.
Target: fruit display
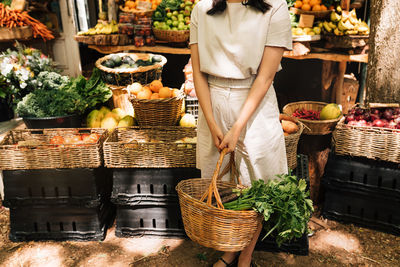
(306, 114)
(316, 30)
(329, 112)
(173, 15)
(76, 139)
(109, 119)
(131, 6)
(374, 117)
(155, 90)
(312, 5)
(345, 23)
(117, 61)
(102, 27)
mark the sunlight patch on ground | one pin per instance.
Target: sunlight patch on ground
(41, 255)
(146, 246)
(330, 240)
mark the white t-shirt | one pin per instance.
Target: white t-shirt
(231, 44)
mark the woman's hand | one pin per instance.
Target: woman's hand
(217, 135)
(230, 139)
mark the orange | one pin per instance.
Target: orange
(306, 7)
(155, 86)
(323, 8)
(298, 4)
(130, 4)
(316, 8)
(155, 96)
(306, 2)
(145, 93)
(313, 2)
(165, 92)
(134, 88)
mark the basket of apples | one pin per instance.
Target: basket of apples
(372, 132)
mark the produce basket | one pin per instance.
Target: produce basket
(38, 153)
(172, 36)
(142, 74)
(15, 33)
(151, 147)
(317, 127)
(138, 13)
(103, 39)
(215, 227)
(317, 14)
(291, 142)
(158, 112)
(370, 142)
(346, 41)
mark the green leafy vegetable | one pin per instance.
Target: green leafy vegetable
(284, 204)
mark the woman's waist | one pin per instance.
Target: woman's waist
(231, 83)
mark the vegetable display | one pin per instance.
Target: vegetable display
(127, 62)
(58, 95)
(15, 18)
(375, 117)
(284, 204)
(173, 15)
(306, 114)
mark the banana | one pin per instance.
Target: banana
(337, 32)
(335, 17)
(344, 26)
(351, 32)
(332, 25)
(327, 27)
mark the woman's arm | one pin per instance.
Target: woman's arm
(266, 72)
(203, 94)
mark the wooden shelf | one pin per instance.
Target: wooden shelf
(186, 51)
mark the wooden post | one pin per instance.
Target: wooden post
(338, 87)
(328, 74)
(383, 76)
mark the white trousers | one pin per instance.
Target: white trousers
(260, 152)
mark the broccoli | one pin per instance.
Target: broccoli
(51, 80)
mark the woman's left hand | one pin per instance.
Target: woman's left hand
(230, 139)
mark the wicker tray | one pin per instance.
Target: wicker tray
(48, 156)
(172, 36)
(158, 112)
(370, 142)
(317, 14)
(320, 127)
(291, 142)
(16, 33)
(121, 77)
(103, 39)
(139, 13)
(135, 147)
(347, 41)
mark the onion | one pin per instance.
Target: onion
(396, 111)
(396, 119)
(379, 123)
(352, 123)
(374, 117)
(392, 125)
(375, 111)
(352, 111)
(349, 118)
(388, 114)
(367, 116)
(361, 123)
(359, 111)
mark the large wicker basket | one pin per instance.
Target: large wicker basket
(291, 142)
(121, 77)
(150, 147)
(49, 156)
(158, 112)
(318, 127)
(172, 36)
(370, 142)
(215, 227)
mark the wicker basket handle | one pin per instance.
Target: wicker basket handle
(213, 189)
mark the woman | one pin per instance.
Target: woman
(236, 49)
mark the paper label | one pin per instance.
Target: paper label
(143, 5)
(306, 21)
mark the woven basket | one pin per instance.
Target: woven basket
(215, 227)
(158, 112)
(122, 77)
(370, 142)
(150, 147)
(317, 14)
(320, 127)
(171, 36)
(291, 142)
(138, 13)
(48, 156)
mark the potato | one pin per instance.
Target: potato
(289, 127)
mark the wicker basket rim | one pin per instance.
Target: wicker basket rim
(299, 132)
(135, 11)
(325, 12)
(159, 100)
(310, 121)
(134, 70)
(341, 124)
(178, 31)
(178, 188)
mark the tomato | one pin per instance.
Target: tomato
(57, 140)
(72, 140)
(92, 138)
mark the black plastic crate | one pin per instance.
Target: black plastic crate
(298, 246)
(368, 209)
(145, 220)
(148, 186)
(363, 174)
(60, 223)
(301, 171)
(82, 187)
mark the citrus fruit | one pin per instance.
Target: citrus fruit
(324, 8)
(330, 112)
(316, 8)
(306, 7)
(134, 88)
(175, 93)
(313, 3)
(155, 96)
(144, 94)
(165, 92)
(155, 86)
(298, 4)
(306, 2)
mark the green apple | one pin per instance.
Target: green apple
(181, 27)
(169, 22)
(188, 8)
(156, 23)
(188, 3)
(174, 18)
(174, 28)
(182, 5)
(169, 15)
(181, 17)
(175, 23)
(175, 13)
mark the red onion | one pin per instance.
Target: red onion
(367, 116)
(392, 125)
(374, 117)
(359, 117)
(396, 111)
(388, 114)
(352, 123)
(361, 123)
(375, 111)
(350, 118)
(359, 111)
(379, 123)
(396, 119)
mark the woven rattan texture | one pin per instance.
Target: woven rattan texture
(369, 142)
(150, 147)
(291, 142)
(318, 127)
(171, 36)
(48, 156)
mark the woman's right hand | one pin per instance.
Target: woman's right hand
(217, 136)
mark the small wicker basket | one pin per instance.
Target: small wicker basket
(370, 142)
(50, 156)
(318, 127)
(215, 227)
(291, 142)
(172, 36)
(158, 112)
(122, 77)
(317, 14)
(150, 147)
